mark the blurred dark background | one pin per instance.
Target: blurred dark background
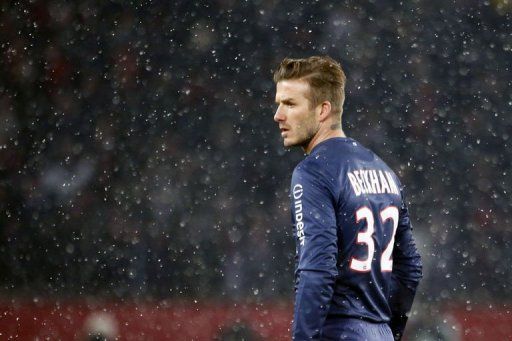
(139, 157)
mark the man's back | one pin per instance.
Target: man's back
(354, 241)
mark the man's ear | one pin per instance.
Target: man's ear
(325, 110)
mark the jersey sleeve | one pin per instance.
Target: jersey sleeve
(406, 274)
(314, 220)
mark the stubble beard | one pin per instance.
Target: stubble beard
(309, 134)
(310, 130)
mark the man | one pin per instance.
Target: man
(357, 265)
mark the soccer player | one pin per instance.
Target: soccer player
(357, 267)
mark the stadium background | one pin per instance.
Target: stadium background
(143, 182)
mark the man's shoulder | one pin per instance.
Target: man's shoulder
(317, 171)
(304, 170)
(310, 166)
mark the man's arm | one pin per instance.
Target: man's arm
(407, 272)
(315, 218)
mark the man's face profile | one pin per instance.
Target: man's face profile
(296, 119)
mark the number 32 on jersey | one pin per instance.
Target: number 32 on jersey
(386, 263)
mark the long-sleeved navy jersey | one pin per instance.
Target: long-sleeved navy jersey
(355, 255)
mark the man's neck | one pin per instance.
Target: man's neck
(332, 131)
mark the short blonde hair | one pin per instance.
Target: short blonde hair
(324, 75)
